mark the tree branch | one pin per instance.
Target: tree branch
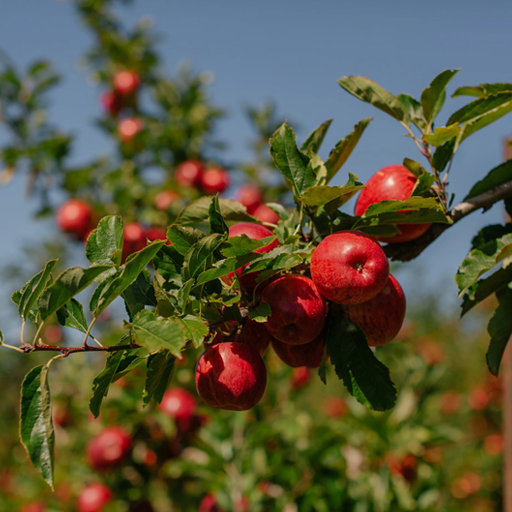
(66, 351)
(407, 251)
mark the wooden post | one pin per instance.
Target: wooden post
(507, 401)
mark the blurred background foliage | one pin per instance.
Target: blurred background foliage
(306, 446)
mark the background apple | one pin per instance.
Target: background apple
(126, 82)
(188, 174)
(108, 448)
(94, 498)
(349, 267)
(75, 217)
(250, 196)
(215, 180)
(128, 128)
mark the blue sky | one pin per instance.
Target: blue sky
(291, 52)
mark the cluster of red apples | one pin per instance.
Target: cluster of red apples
(349, 273)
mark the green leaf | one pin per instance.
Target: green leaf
(322, 371)
(141, 291)
(413, 107)
(482, 90)
(442, 134)
(157, 333)
(482, 112)
(411, 204)
(1, 337)
(315, 138)
(224, 268)
(134, 265)
(279, 209)
(105, 244)
(36, 427)
(168, 262)
(184, 293)
(102, 381)
(183, 237)
(371, 92)
(443, 155)
(293, 164)
(72, 315)
(482, 259)
(159, 373)
(318, 196)
(67, 285)
(129, 362)
(433, 97)
(483, 288)
(494, 178)
(217, 224)
(241, 245)
(200, 256)
(197, 211)
(260, 313)
(366, 378)
(425, 179)
(195, 329)
(33, 289)
(500, 330)
(343, 149)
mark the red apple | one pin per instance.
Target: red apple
(380, 318)
(128, 128)
(335, 407)
(75, 217)
(126, 81)
(134, 239)
(309, 355)
(231, 376)
(34, 506)
(93, 498)
(180, 405)
(255, 335)
(188, 174)
(391, 183)
(108, 448)
(300, 377)
(265, 214)
(255, 232)
(164, 200)
(209, 504)
(112, 103)
(215, 180)
(250, 196)
(298, 309)
(349, 267)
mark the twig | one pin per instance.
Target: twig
(409, 250)
(66, 351)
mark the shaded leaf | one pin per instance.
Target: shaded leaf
(183, 237)
(36, 426)
(410, 204)
(293, 164)
(413, 107)
(104, 245)
(425, 179)
(102, 381)
(318, 196)
(482, 90)
(72, 315)
(241, 245)
(365, 377)
(494, 178)
(500, 330)
(157, 333)
(315, 138)
(217, 224)
(33, 289)
(443, 155)
(260, 313)
(158, 376)
(195, 329)
(339, 155)
(482, 259)
(198, 211)
(433, 97)
(371, 92)
(201, 256)
(68, 284)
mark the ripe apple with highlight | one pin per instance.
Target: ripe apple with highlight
(126, 82)
(180, 405)
(231, 376)
(128, 128)
(298, 309)
(163, 200)
(250, 196)
(265, 214)
(380, 318)
(391, 183)
(134, 239)
(349, 267)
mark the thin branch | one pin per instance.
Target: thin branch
(66, 351)
(407, 251)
